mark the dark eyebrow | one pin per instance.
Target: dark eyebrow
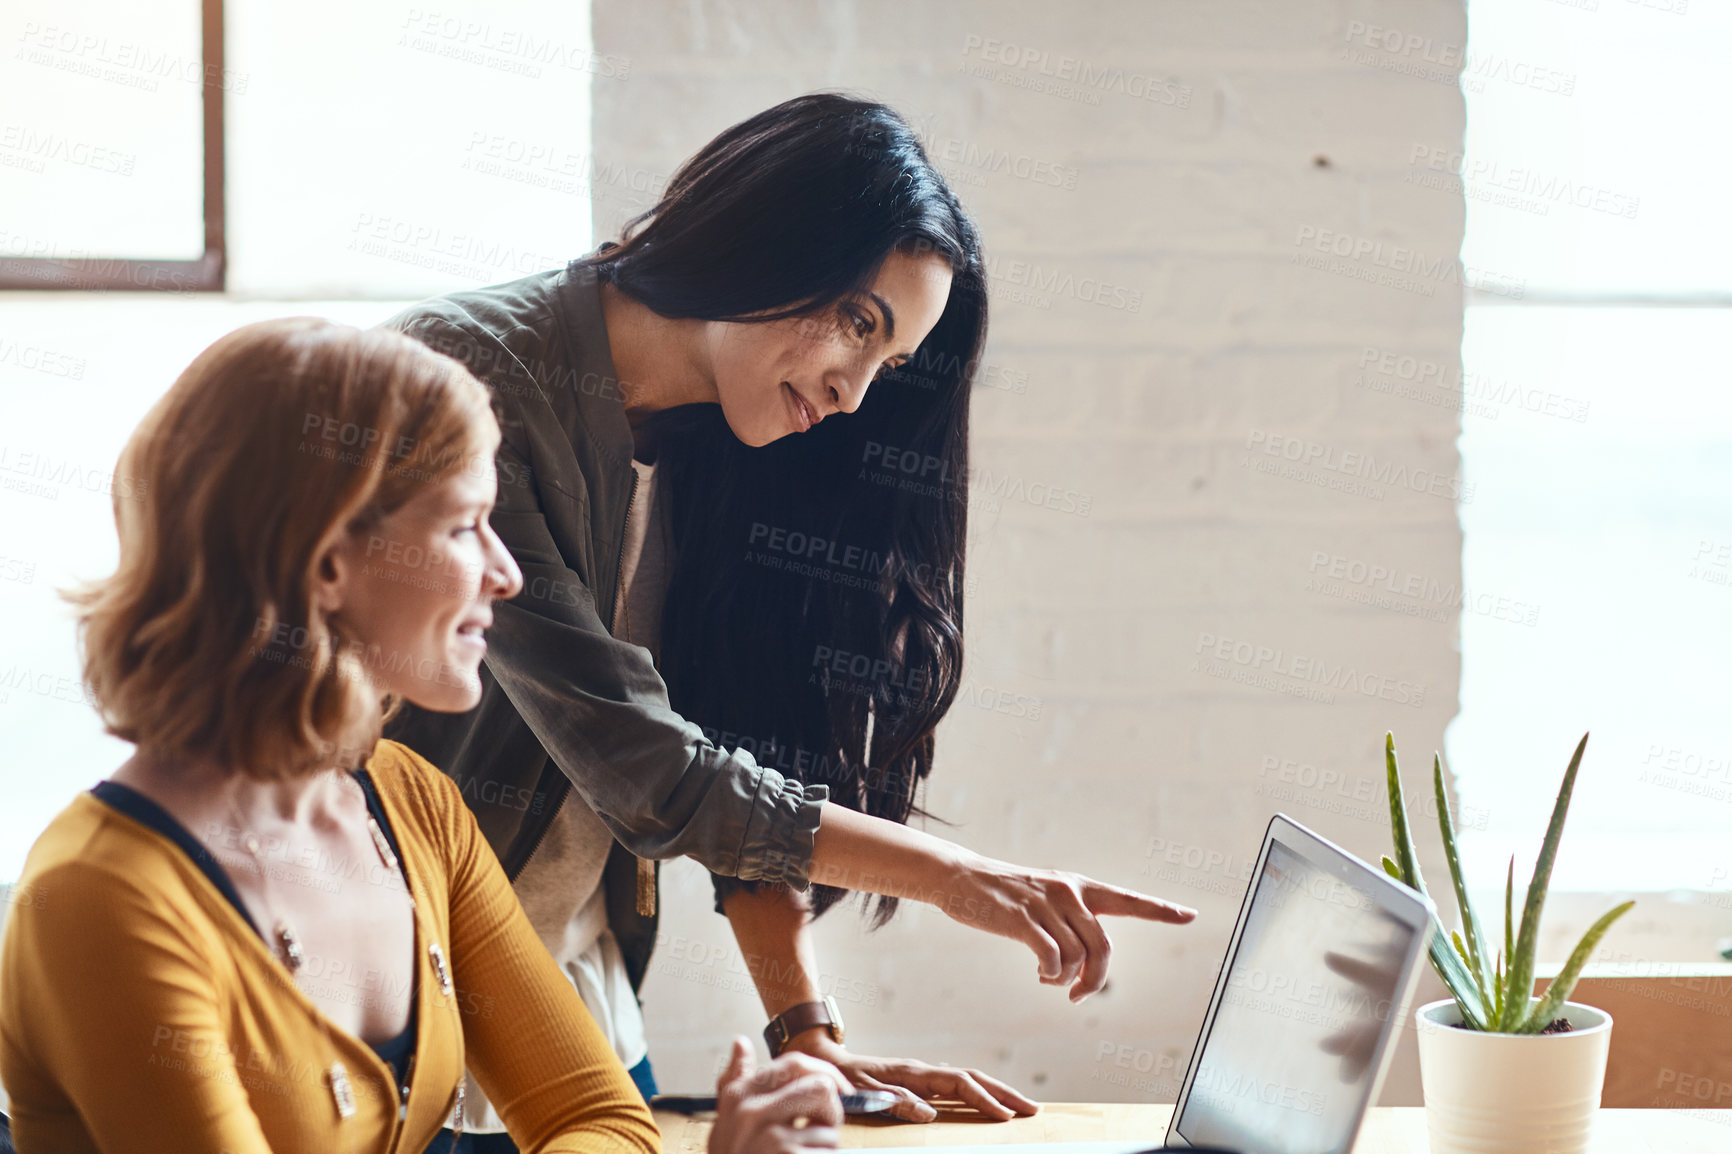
(889, 315)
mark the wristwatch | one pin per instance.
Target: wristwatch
(798, 1019)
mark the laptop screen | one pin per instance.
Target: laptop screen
(1291, 1054)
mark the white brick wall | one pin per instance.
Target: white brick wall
(1136, 753)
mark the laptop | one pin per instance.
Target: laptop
(1301, 1027)
(1315, 986)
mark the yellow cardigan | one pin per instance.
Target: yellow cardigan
(140, 1012)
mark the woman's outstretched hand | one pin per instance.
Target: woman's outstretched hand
(793, 1104)
(1055, 914)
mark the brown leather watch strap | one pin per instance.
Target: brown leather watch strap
(798, 1019)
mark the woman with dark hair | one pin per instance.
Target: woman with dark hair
(735, 610)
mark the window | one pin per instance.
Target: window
(376, 155)
(1597, 435)
(112, 152)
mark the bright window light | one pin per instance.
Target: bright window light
(1598, 439)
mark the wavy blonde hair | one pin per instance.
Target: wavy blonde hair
(275, 442)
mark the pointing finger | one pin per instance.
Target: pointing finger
(1112, 901)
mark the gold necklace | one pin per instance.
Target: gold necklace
(293, 957)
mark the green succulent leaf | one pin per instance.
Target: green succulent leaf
(1508, 916)
(1521, 966)
(1405, 869)
(1475, 952)
(1461, 986)
(1559, 991)
(1404, 855)
(1497, 992)
(1502, 997)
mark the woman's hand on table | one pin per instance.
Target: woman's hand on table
(1056, 914)
(792, 1104)
(913, 1081)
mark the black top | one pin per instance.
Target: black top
(124, 799)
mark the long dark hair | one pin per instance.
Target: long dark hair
(814, 615)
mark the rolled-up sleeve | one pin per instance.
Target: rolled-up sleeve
(783, 798)
(600, 709)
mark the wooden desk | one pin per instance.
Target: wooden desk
(1388, 1130)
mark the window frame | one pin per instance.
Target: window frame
(207, 273)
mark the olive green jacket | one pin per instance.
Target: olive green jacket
(564, 704)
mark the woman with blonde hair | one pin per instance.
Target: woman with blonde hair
(269, 929)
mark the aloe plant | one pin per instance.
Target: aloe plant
(1494, 993)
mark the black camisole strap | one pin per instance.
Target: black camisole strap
(377, 809)
(147, 813)
(395, 1051)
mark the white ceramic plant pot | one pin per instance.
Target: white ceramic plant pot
(1508, 1093)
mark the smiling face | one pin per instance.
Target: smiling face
(416, 590)
(780, 377)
